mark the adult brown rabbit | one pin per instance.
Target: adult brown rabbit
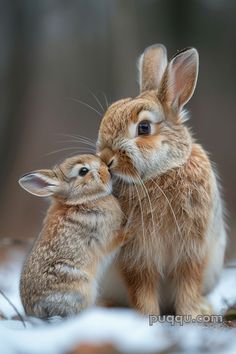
(164, 179)
(82, 226)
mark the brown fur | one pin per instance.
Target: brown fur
(176, 232)
(167, 189)
(59, 275)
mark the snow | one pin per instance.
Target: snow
(9, 283)
(128, 331)
(224, 295)
(124, 328)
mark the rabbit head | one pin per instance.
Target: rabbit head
(76, 180)
(145, 136)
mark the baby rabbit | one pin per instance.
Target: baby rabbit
(81, 227)
(166, 179)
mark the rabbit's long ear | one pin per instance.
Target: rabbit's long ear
(180, 79)
(152, 64)
(42, 183)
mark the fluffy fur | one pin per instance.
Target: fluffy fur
(81, 227)
(167, 189)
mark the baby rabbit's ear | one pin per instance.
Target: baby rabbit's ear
(42, 183)
(152, 64)
(180, 79)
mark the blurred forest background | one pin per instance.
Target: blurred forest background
(54, 51)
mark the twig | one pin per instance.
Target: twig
(14, 307)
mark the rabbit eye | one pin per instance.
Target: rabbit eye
(144, 128)
(83, 171)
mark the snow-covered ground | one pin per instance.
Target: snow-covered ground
(9, 281)
(128, 332)
(124, 329)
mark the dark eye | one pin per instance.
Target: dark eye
(83, 171)
(144, 128)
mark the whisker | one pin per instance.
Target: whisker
(130, 209)
(85, 104)
(78, 137)
(122, 189)
(142, 217)
(170, 206)
(97, 100)
(81, 139)
(141, 209)
(106, 101)
(70, 148)
(78, 141)
(87, 138)
(149, 200)
(78, 153)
